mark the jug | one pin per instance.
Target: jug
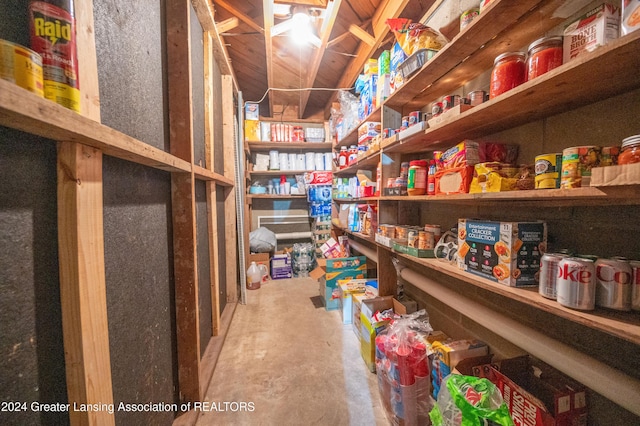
(264, 272)
(253, 277)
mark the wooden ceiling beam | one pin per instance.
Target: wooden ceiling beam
(227, 24)
(346, 34)
(362, 34)
(244, 17)
(329, 20)
(267, 7)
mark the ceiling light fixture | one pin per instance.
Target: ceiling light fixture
(301, 30)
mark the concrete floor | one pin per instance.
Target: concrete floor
(296, 363)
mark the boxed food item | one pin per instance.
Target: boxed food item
(339, 269)
(494, 177)
(447, 355)
(536, 394)
(281, 267)
(454, 180)
(370, 327)
(595, 28)
(356, 309)
(630, 16)
(251, 111)
(368, 130)
(348, 288)
(371, 66)
(395, 75)
(252, 130)
(506, 252)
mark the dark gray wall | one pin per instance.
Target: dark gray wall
(204, 266)
(197, 89)
(130, 42)
(222, 258)
(140, 288)
(218, 148)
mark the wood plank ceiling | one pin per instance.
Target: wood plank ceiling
(347, 33)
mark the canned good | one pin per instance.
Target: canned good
(435, 231)
(613, 284)
(576, 283)
(609, 155)
(401, 232)
(549, 274)
(21, 66)
(635, 284)
(436, 109)
(476, 97)
(577, 163)
(404, 169)
(405, 122)
(426, 240)
(449, 102)
(547, 168)
(412, 238)
(415, 117)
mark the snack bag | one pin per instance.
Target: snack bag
(413, 36)
(469, 401)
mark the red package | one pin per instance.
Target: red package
(454, 181)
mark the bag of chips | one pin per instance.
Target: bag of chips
(413, 36)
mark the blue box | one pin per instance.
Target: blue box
(340, 269)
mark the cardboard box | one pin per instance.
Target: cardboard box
(447, 355)
(260, 258)
(281, 267)
(356, 309)
(335, 270)
(252, 130)
(627, 174)
(395, 75)
(251, 111)
(412, 251)
(506, 252)
(370, 329)
(548, 399)
(595, 28)
(348, 288)
(368, 130)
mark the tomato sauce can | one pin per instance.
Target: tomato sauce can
(576, 283)
(577, 163)
(53, 36)
(549, 274)
(21, 66)
(613, 284)
(635, 285)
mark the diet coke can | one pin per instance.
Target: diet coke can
(576, 284)
(613, 284)
(549, 274)
(635, 285)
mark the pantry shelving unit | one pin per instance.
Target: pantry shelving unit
(539, 116)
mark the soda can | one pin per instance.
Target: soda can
(613, 284)
(635, 284)
(549, 274)
(576, 283)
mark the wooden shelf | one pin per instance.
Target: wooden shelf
(627, 195)
(356, 200)
(570, 86)
(368, 162)
(275, 196)
(300, 146)
(352, 137)
(619, 324)
(503, 26)
(278, 172)
(204, 174)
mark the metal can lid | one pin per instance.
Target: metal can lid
(555, 40)
(631, 140)
(508, 54)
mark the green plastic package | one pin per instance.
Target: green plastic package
(469, 401)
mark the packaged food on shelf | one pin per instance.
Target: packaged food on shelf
(395, 74)
(630, 153)
(494, 177)
(630, 16)
(347, 289)
(331, 271)
(416, 61)
(368, 130)
(455, 180)
(595, 28)
(281, 266)
(468, 16)
(251, 111)
(417, 178)
(548, 168)
(414, 36)
(613, 284)
(22, 67)
(577, 162)
(506, 252)
(252, 131)
(545, 54)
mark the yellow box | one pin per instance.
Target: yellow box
(369, 329)
(252, 130)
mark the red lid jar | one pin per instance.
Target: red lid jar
(545, 54)
(509, 71)
(417, 180)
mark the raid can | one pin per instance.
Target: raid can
(549, 274)
(635, 285)
(576, 283)
(613, 284)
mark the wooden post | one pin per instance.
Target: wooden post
(82, 282)
(183, 200)
(231, 236)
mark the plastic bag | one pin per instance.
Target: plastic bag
(413, 36)
(469, 401)
(403, 369)
(262, 240)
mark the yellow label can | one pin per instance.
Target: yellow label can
(21, 66)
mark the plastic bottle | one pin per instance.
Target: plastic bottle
(431, 178)
(254, 277)
(343, 157)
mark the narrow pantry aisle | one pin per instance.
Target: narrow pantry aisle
(296, 362)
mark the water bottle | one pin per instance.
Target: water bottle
(254, 277)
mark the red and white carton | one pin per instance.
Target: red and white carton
(595, 28)
(537, 394)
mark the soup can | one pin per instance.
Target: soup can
(435, 231)
(547, 168)
(412, 238)
(414, 118)
(426, 240)
(576, 283)
(449, 102)
(577, 163)
(613, 284)
(549, 274)
(635, 285)
(21, 66)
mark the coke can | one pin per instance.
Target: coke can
(635, 284)
(613, 284)
(549, 274)
(576, 283)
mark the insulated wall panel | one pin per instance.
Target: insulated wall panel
(204, 266)
(197, 89)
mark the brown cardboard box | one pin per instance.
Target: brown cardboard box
(627, 174)
(260, 258)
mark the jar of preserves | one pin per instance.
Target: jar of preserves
(417, 180)
(509, 71)
(630, 150)
(545, 54)
(298, 134)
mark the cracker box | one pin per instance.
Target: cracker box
(395, 76)
(368, 130)
(506, 252)
(596, 28)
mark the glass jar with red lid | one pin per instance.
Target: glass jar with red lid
(509, 71)
(545, 54)
(630, 150)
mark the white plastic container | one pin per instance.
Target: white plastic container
(254, 277)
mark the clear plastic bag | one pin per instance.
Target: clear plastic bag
(403, 370)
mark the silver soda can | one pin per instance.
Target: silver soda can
(613, 284)
(635, 285)
(576, 283)
(549, 274)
